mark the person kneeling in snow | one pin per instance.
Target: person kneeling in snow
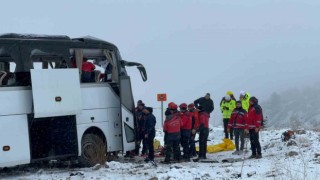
(238, 123)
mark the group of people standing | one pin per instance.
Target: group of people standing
(145, 131)
(180, 127)
(184, 121)
(240, 118)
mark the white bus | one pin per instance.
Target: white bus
(51, 108)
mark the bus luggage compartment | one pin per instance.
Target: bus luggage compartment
(53, 137)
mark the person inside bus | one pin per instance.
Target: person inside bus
(108, 70)
(87, 71)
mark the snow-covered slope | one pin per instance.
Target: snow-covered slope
(276, 164)
(295, 108)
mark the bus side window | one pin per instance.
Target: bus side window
(111, 69)
(3, 75)
(7, 76)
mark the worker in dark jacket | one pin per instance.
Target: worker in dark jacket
(172, 129)
(206, 103)
(140, 121)
(150, 132)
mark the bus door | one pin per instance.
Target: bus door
(56, 102)
(127, 114)
(56, 92)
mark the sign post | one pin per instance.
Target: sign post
(162, 98)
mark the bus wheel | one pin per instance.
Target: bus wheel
(93, 151)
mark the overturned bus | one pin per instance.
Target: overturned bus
(49, 111)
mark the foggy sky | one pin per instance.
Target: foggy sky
(191, 47)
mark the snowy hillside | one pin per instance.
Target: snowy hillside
(301, 161)
(297, 108)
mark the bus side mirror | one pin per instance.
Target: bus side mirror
(143, 72)
(140, 67)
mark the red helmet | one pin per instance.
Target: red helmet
(172, 106)
(191, 106)
(183, 106)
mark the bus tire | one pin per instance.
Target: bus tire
(93, 151)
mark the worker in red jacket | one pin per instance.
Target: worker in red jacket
(87, 74)
(238, 122)
(172, 128)
(203, 132)
(186, 119)
(254, 123)
(195, 125)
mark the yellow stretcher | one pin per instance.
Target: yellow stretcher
(227, 145)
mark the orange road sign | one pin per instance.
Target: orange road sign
(162, 97)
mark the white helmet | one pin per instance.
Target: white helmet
(242, 93)
(227, 98)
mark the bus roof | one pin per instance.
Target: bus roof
(81, 42)
(20, 47)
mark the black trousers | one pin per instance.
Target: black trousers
(239, 134)
(144, 144)
(173, 146)
(192, 145)
(185, 141)
(255, 144)
(203, 137)
(149, 145)
(225, 126)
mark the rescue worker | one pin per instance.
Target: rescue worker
(238, 122)
(206, 103)
(203, 132)
(186, 119)
(139, 130)
(230, 93)
(254, 123)
(195, 125)
(172, 128)
(244, 98)
(227, 106)
(167, 115)
(140, 121)
(149, 132)
(87, 71)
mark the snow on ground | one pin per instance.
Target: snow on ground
(276, 164)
